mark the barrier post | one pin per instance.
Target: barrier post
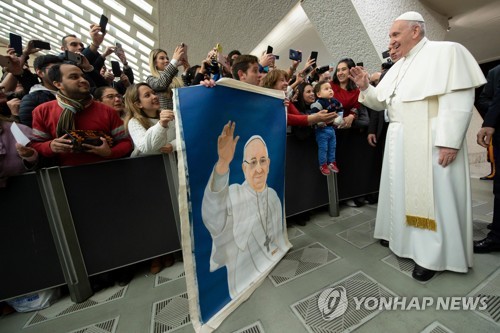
(64, 233)
(333, 196)
(169, 160)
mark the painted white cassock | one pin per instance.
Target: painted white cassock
(236, 217)
(425, 210)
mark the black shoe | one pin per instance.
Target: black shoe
(486, 245)
(124, 275)
(359, 202)
(384, 243)
(300, 222)
(422, 274)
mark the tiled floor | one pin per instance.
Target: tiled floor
(327, 252)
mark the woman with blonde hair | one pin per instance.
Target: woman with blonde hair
(151, 128)
(164, 70)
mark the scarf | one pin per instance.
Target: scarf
(70, 108)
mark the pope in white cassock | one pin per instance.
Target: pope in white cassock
(245, 221)
(425, 205)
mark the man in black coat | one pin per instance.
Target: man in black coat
(482, 105)
(39, 93)
(491, 131)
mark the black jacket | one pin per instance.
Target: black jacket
(30, 102)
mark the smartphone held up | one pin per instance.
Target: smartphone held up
(103, 23)
(73, 57)
(295, 55)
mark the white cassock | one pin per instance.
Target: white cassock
(425, 210)
(239, 219)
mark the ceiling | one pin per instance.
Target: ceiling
(135, 23)
(473, 23)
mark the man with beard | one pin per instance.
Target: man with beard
(74, 109)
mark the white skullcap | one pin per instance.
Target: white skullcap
(410, 16)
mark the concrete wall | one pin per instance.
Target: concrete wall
(359, 28)
(235, 24)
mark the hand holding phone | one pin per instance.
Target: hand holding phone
(115, 67)
(269, 49)
(118, 49)
(314, 55)
(73, 57)
(295, 55)
(16, 42)
(103, 24)
(38, 44)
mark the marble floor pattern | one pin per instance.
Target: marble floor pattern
(327, 252)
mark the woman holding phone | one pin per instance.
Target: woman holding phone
(163, 72)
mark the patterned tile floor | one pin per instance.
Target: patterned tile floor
(327, 251)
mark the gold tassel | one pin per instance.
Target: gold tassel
(421, 222)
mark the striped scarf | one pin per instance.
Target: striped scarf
(70, 108)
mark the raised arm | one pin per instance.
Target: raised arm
(226, 144)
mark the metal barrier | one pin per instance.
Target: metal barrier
(62, 225)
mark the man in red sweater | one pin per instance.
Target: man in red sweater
(73, 109)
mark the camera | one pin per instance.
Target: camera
(14, 94)
(388, 64)
(386, 54)
(212, 67)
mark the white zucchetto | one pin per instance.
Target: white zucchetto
(410, 16)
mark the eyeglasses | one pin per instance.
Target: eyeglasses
(112, 96)
(263, 162)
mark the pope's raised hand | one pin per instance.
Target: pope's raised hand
(226, 144)
(360, 77)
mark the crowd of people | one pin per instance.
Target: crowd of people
(62, 96)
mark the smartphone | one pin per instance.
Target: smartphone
(73, 57)
(4, 61)
(115, 67)
(323, 69)
(295, 55)
(269, 49)
(314, 55)
(38, 44)
(118, 49)
(359, 64)
(386, 54)
(16, 42)
(103, 23)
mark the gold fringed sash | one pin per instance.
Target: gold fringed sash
(419, 193)
(421, 222)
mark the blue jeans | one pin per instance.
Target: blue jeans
(327, 143)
